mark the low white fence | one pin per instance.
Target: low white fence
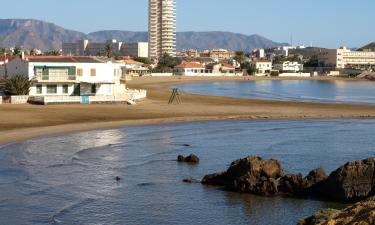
(294, 75)
(19, 99)
(134, 94)
(55, 99)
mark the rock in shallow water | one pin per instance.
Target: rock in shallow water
(351, 182)
(249, 175)
(355, 180)
(189, 159)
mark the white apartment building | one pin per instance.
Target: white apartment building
(287, 66)
(263, 67)
(87, 48)
(345, 58)
(69, 76)
(162, 28)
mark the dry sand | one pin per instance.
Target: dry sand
(21, 122)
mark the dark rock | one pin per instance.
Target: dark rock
(351, 182)
(217, 179)
(314, 177)
(249, 175)
(319, 217)
(118, 178)
(354, 181)
(291, 184)
(190, 180)
(189, 159)
(186, 145)
(180, 158)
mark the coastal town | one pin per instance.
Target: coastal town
(267, 133)
(98, 71)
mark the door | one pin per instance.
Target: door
(85, 100)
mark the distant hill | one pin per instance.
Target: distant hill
(34, 34)
(47, 36)
(369, 47)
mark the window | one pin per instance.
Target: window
(58, 72)
(93, 72)
(51, 89)
(93, 89)
(79, 72)
(39, 89)
(38, 72)
(65, 89)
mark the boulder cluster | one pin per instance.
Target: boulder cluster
(193, 159)
(351, 182)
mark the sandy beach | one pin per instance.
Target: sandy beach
(22, 122)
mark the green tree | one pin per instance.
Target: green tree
(239, 56)
(166, 64)
(2, 51)
(312, 62)
(250, 68)
(144, 60)
(53, 53)
(16, 85)
(108, 51)
(17, 51)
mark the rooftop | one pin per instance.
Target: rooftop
(63, 59)
(193, 65)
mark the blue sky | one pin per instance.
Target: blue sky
(326, 23)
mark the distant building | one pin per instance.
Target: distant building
(134, 68)
(218, 54)
(213, 69)
(259, 53)
(263, 67)
(190, 69)
(189, 53)
(87, 48)
(162, 28)
(287, 66)
(139, 49)
(345, 58)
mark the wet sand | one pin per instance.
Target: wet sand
(21, 122)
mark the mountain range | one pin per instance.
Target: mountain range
(30, 34)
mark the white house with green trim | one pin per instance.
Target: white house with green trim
(70, 76)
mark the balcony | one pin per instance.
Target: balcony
(56, 78)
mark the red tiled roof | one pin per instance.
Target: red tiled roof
(192, 65)
(9, 58)
(228, 65)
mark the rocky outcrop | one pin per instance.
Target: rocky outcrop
(251, 175)
(351, 182)
(193, 159)
(361, 213)
(355, 180)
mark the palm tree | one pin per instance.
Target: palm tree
(108, 51)
(2, 51)
(16, 85)
(17, 51)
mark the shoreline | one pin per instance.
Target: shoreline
(28, 121)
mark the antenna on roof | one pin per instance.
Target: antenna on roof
(291, 40)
